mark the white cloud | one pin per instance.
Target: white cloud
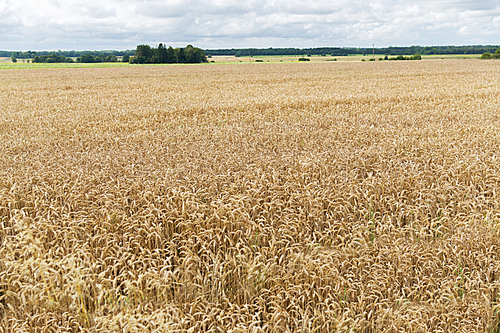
(113, 24)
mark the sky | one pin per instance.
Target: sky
(209, 24)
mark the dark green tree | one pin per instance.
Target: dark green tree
(143, 54)
(195, 55)
(87, 58)
(181, 57)
(171, 55)
(160, 54)
(111, 58)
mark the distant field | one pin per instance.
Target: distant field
(6, 63)
(287, 197)
(315, 58)
(452, 56)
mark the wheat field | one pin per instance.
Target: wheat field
(326, 197)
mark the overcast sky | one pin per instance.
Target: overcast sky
(123, 24)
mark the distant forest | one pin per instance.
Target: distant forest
(334, 51)
(345, 51)
(68, 54)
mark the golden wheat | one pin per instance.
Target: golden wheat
(251, 198)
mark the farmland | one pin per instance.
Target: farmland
(6, 63)
(316, 197)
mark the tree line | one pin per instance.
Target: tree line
(487, 55)
(189, 54)
(86, 58)
(334, 51)
(345, 51)
(67, 54)
(145, 54)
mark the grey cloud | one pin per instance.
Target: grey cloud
(466, 5)
(90, 24)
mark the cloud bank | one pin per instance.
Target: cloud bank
(112, 24)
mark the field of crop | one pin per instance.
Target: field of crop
(358, 57)
(320, 197)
